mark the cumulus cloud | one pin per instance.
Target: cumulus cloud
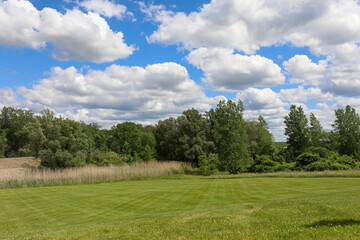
(106, 8)
(8, 98)
(73, 35)
(256, 99)
(329, 28)
(300, 94)
(19, 23)
(120, 92)
(303, 70)
(338, 74)
(244, 25)
(247, 25)
(227, 71)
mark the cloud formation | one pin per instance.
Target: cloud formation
(106, 8)
(120, 92)
(73, 35)
(227, 71)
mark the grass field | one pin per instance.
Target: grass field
(186, 208)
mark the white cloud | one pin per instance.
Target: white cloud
(300, 94)
(256, 99)
(338, 74)
(73, 35)
(19, 23)
(106, 8)
(8, 98)
(233, 72)
(120, 92)
(338, 23)
(303, 70)
(86, 37)
(243, 25)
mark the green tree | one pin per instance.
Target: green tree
(166, 135)
(297, 131)
(13, 121)
(3, 143)
(230, 136)
(260, 140)
(315, 132)
(192, 140)
(347, 129)
(36, 137)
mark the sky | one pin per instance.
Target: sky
(110, 61)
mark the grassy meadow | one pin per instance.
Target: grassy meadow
(186, 207)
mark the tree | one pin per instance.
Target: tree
(192, 140)
(230, 136)
(260, 140)
(347, 129)
(315, 132)
(13, 121)
(3, 143)
(166, 139)
(297, 130)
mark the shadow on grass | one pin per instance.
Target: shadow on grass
(333, 223)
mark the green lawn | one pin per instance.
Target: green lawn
(186, 208)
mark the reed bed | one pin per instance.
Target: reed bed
(33, 177)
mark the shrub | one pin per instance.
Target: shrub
(306, 158)
(322, 152)
(263, 163)
(208, 164)
(346, 160)
(102, 158)
(318, 166)
(285, 167)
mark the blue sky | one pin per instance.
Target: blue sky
(109, 61)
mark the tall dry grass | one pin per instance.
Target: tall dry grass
(33, 177)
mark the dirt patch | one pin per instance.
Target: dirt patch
(18, 162)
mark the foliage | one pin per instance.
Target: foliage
(13, 121)
(230, 137)
(260, 140)
(102, 158)
(322, 152)
(208, 164)
(263, 163)
(297, 131)
(306, 158)
(347, 129)
(318, 166)
(315, 132)
(192, 141)
(3, 143)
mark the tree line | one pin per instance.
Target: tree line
(217, 140)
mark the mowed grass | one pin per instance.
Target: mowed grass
(186, 208)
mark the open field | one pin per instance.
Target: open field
(186, 208)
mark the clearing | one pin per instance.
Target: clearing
(186, 208)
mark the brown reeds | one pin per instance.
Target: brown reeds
(34, 177)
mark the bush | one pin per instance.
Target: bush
(61, 159)
(102, 158)
(318, 166)
(263, 163)
(322, 152)
(306, 158)
(339, 166)
(346, 160)
(208, 164)
(285, 167)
